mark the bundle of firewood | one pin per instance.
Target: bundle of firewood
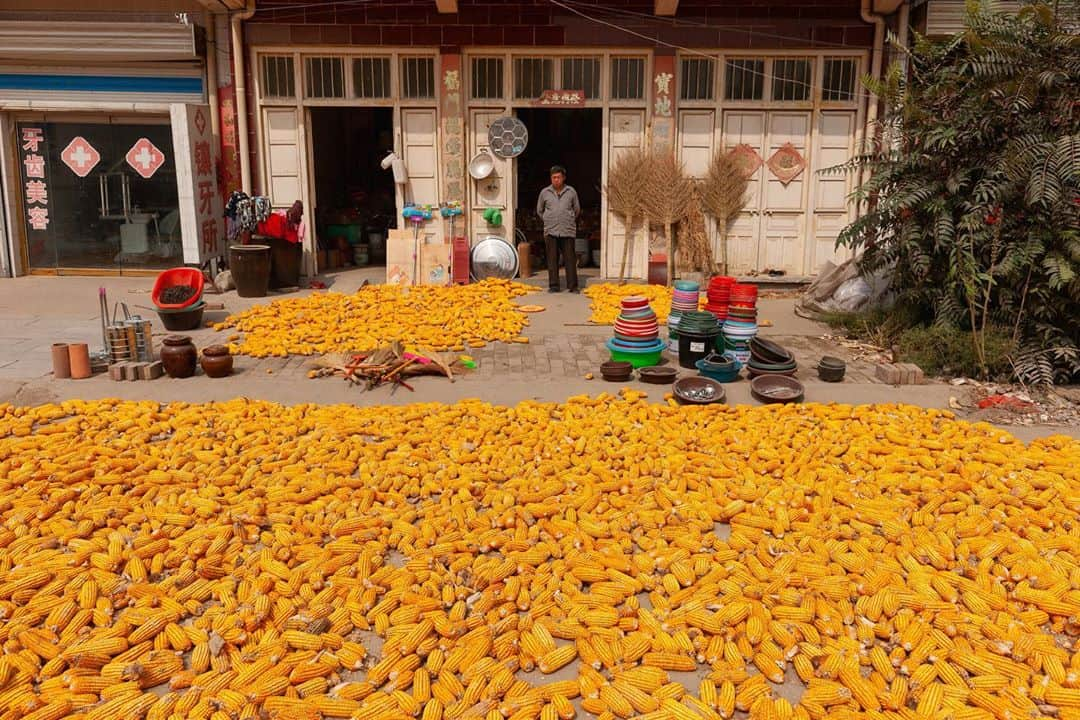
(389, 365)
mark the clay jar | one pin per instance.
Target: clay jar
(178, 356)
(216, 361)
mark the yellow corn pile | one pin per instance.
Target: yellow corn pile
(438, 318)
(235, 561)
(606, 299)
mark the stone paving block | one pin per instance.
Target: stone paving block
(913, 374)
(888, 373)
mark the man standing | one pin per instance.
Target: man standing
(558, 207)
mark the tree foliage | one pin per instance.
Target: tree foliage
(973, 185)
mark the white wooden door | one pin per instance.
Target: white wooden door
(625, 130)
(496, 189)
(697, 132)
(284, 167)
(285, 174)
(696, 144)
(420, 152)
(746, 128)
(784, 205)
(832, 211)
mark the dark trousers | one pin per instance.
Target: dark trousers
(564, 245)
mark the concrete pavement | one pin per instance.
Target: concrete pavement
(563, 348)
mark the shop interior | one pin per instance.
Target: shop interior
(111, 218)
(572, 138)
(354, 196)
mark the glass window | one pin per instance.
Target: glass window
(839, 80)
(418, 78)
(627, 78)
(698, 78)
(278, 79)
(324, 77)
(86, 205)
(371, 77)
(581, 73)
(487, 78)
(744, 79)
(532, 76)
(792, 78)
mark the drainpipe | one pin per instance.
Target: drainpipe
(240, 83)
(212, 76)
(902, 35)
(878, 21)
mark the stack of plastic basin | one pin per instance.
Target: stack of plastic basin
(637, 334)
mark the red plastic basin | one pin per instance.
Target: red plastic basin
(178, 276)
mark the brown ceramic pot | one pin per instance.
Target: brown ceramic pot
(216, 361)
(178, 356)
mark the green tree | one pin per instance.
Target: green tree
(973, 189)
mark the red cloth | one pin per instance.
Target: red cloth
(277, 226)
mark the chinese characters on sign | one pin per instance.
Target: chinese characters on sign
(662, 105)
(196, 157)
(561, 98)
(37, 191)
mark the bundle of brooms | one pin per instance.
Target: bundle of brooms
(388, 365)
(668, 191)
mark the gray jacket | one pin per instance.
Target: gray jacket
(559, 211)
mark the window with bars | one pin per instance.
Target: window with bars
(627, 78)
(324, 77)
(487, 78)
(417, 78)
(838, 83)
(697, 79)
(532, 76)
(581, 73)
(744, 79)
(792, 78)
(278, 79)
(371, 77)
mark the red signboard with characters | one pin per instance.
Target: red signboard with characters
(35, 184)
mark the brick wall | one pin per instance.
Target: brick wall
(751, 24)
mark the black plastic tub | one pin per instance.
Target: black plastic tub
(695, 346)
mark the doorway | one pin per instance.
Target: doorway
(572, 138)
(354, 199)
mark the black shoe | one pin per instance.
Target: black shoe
(554, 290)
(575, 291)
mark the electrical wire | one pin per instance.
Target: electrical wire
(683, 22)
(857, 93)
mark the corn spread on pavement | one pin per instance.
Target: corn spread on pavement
(439, 318)
(605, 300)
(901, 564)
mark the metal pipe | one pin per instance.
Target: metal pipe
(240, 83)
(868, 16)
(212, 76)
(902, 35)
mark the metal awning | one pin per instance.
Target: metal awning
(80, 42)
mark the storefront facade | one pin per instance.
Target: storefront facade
(94, 180)
(780, 84)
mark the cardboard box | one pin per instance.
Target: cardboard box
(400, 258)
(434, 264)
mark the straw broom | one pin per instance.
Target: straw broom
(724, 195)
(667, 196)
(626, 196)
